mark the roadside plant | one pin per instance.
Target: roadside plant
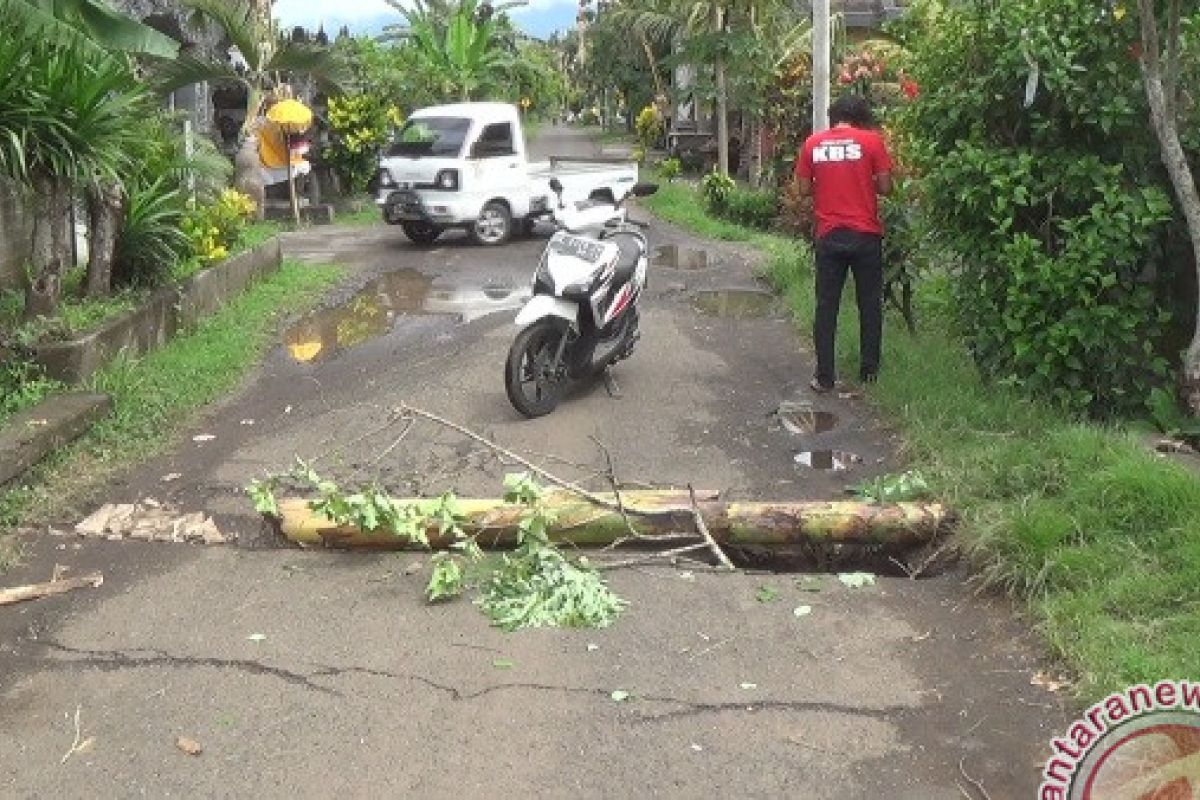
(670, 168)
(1050, 197)
(716, 188)
(213, 228)
(359, 125)
(648, 126)
(150, 240)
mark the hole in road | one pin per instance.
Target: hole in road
(675, 257)
(831, 460)
(735, 303)
(373, 311)
(803, 419)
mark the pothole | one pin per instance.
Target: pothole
(802, 419)
(829, 460)
(673, 256)
(734, 303)
(373, 311)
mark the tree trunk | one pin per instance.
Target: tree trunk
(1166, 128)
(51, 246)
(722, 98)
(105, 202)
(580, 522)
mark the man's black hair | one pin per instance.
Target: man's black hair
(852, 108)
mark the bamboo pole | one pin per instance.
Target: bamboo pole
(35, 591)
(580, 522)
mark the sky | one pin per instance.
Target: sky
(538, 17)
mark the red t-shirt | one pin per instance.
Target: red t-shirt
(842, 164)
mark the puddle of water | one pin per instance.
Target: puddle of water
(374, 310)
(675, 257)
(831, 460)
(734, 303)
(802, 419)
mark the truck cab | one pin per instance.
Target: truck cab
(466, 166)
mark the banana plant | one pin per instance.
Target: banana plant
(464, 44)
(90, 25)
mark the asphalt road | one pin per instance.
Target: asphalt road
(314, 674)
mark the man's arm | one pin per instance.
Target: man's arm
(881, 160)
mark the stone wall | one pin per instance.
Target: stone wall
(16, 232)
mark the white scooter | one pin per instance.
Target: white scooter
(583, 315)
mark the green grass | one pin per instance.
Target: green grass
(155, 396)
(1096, 534)
(365, 216)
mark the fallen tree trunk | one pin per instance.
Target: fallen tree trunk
(582, 523)
(35, 591)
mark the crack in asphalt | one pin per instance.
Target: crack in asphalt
(140, 658)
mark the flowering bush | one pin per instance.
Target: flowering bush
(212, 229)
(359, 125)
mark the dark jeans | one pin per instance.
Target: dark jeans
(862, 253)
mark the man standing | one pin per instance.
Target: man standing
(845, 169)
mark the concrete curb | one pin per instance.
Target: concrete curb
(32, 434)
(161, 317)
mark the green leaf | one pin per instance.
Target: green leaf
(766, 594)
(502, 663)
(619, 695)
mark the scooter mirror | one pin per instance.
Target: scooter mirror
(556, 185)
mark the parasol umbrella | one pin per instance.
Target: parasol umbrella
(292, 117)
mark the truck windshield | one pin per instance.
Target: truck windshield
(430, 136)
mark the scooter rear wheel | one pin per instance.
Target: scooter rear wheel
(533, 383)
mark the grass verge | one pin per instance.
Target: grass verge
(1096, 534)
(156, 395)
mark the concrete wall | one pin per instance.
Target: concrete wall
(16, 232)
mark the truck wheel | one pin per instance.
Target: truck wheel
(494, 225)
(421, 232)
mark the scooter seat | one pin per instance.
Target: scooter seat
(629, 253)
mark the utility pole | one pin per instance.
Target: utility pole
(820, 72)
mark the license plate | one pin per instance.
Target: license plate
(577, 246)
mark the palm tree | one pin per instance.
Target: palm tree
(66, 119)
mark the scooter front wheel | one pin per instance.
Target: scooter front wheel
(534, 383)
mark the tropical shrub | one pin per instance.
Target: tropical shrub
(359, 125)
(716, 189)
(1053, 198)
(150, 241)
(213, 228)
(751, 208)
(670, 168)
(648, 126)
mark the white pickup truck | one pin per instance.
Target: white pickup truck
(465, 166)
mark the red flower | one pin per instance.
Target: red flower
(910, 88)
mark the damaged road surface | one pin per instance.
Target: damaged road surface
(252, 670)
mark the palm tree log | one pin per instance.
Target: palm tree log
(582, 523)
